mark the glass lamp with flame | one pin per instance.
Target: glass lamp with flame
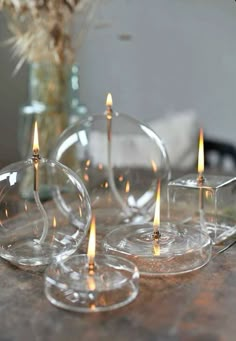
(204, 200)
(120, 160)
(35, 231)
(161, 248)
(91, 282)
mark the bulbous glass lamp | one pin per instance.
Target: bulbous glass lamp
(34, 232)
(120, 160)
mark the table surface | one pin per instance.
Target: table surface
(196, 306)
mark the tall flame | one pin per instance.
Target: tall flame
(201, 153)
(92, 243)
(109, 101)
(156, 222)
(127, 187)
(54, 222)
(36, 139)
(154, 166)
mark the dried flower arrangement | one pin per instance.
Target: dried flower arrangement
(41, 28)
(41, 36)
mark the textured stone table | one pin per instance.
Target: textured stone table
(196, 306)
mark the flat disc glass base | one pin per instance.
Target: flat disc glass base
(113, 284)
(31, 255)
(180, 249)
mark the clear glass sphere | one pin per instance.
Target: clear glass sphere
(36, 228)
(120, 161)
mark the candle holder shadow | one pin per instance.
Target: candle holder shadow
(179, 249)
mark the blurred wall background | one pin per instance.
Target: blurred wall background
(156, 57)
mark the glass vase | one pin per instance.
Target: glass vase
(54, 103)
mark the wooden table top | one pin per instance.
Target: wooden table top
(196, 306)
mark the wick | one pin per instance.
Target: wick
(125, 208)
(91, 268)
(35, 159)
(200, 179)
(109, 118)
(156, 236)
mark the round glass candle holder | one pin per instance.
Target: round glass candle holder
(120, 171)
(35, 231)
(112, 284)
(179, 250)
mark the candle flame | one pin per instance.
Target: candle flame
(6, 212)
(92, 243)
(208, 194)
(100, 166)
(109, 101)
(36, 139)
(106, 185)
(127, 187)
(54, 222)
(154, 166)
(87, 163)
(201, 153)
(80, 212)
(156, 222)
(86, 177)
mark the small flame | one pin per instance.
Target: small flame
(87, 163)
(121, 178)
(26, 207)
(127, 187)
(156, 222)
(154, 166)
(54, 222)
(208, 194)
(6, 212)
(106, 185)
(36, 139)
(86, 177)
(201, 153)
(92, 243)
(100, 166)
(109, 101)
(156, 248)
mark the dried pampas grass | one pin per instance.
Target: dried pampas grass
(41, 28)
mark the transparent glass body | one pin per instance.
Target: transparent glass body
(34, 231)
(120, 170)
(210, 204)
(179, 249)
(70, 285)
(53, 102)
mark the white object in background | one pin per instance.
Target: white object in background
(179, 132)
